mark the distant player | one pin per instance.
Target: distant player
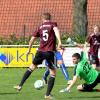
(47, 32)
(94, 41)
(85, 71)
(59, 60)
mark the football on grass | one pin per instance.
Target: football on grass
(39, 84)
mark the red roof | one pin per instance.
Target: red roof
(17, 15)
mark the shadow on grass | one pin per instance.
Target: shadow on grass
(77, 97)
(93, 90)
(14, 93)
(81, 97)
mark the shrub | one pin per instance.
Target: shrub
(12, 40)
(77, 38)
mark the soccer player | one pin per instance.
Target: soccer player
(94, 41)
(59, 59)
(47, 32)
(85, 71)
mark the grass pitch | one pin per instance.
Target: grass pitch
(12, 76)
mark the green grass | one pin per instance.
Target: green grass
(12, 76)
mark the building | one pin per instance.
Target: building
(23, 16)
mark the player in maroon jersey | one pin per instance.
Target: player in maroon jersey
(47, 32)
(94, 41)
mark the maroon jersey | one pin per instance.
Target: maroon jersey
(94, 41)
(47, 36)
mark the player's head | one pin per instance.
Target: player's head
(96, 29)
(76, 57)
(46, 16)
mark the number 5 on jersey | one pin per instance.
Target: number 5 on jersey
(45, 35)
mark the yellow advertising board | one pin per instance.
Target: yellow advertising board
(16, 57)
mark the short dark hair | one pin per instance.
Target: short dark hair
(77, 55)
(46, 16)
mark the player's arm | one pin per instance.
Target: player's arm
(87, 41)
(34, 36)
(72, 82)
(30, 43)
(86, 44)
(57, 33)
(83, 46)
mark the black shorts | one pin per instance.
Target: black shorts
(94, 59)
(48, 56)
(89, 87)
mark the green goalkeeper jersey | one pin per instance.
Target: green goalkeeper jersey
(85, 70)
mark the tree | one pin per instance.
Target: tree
(79, 25)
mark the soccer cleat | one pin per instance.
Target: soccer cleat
(64, 90)
(18, 88)
(48, 97)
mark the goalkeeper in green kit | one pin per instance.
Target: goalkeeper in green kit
(85, 71)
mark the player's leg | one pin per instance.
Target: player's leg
(62, 65)
(89, 87)
(93, 62)
(86, 87)
(50, 60)
(46, 73)
(37, 60)
(97, 63)
(80, 87)
(64, 70)
(25, 76)
(51, 82)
